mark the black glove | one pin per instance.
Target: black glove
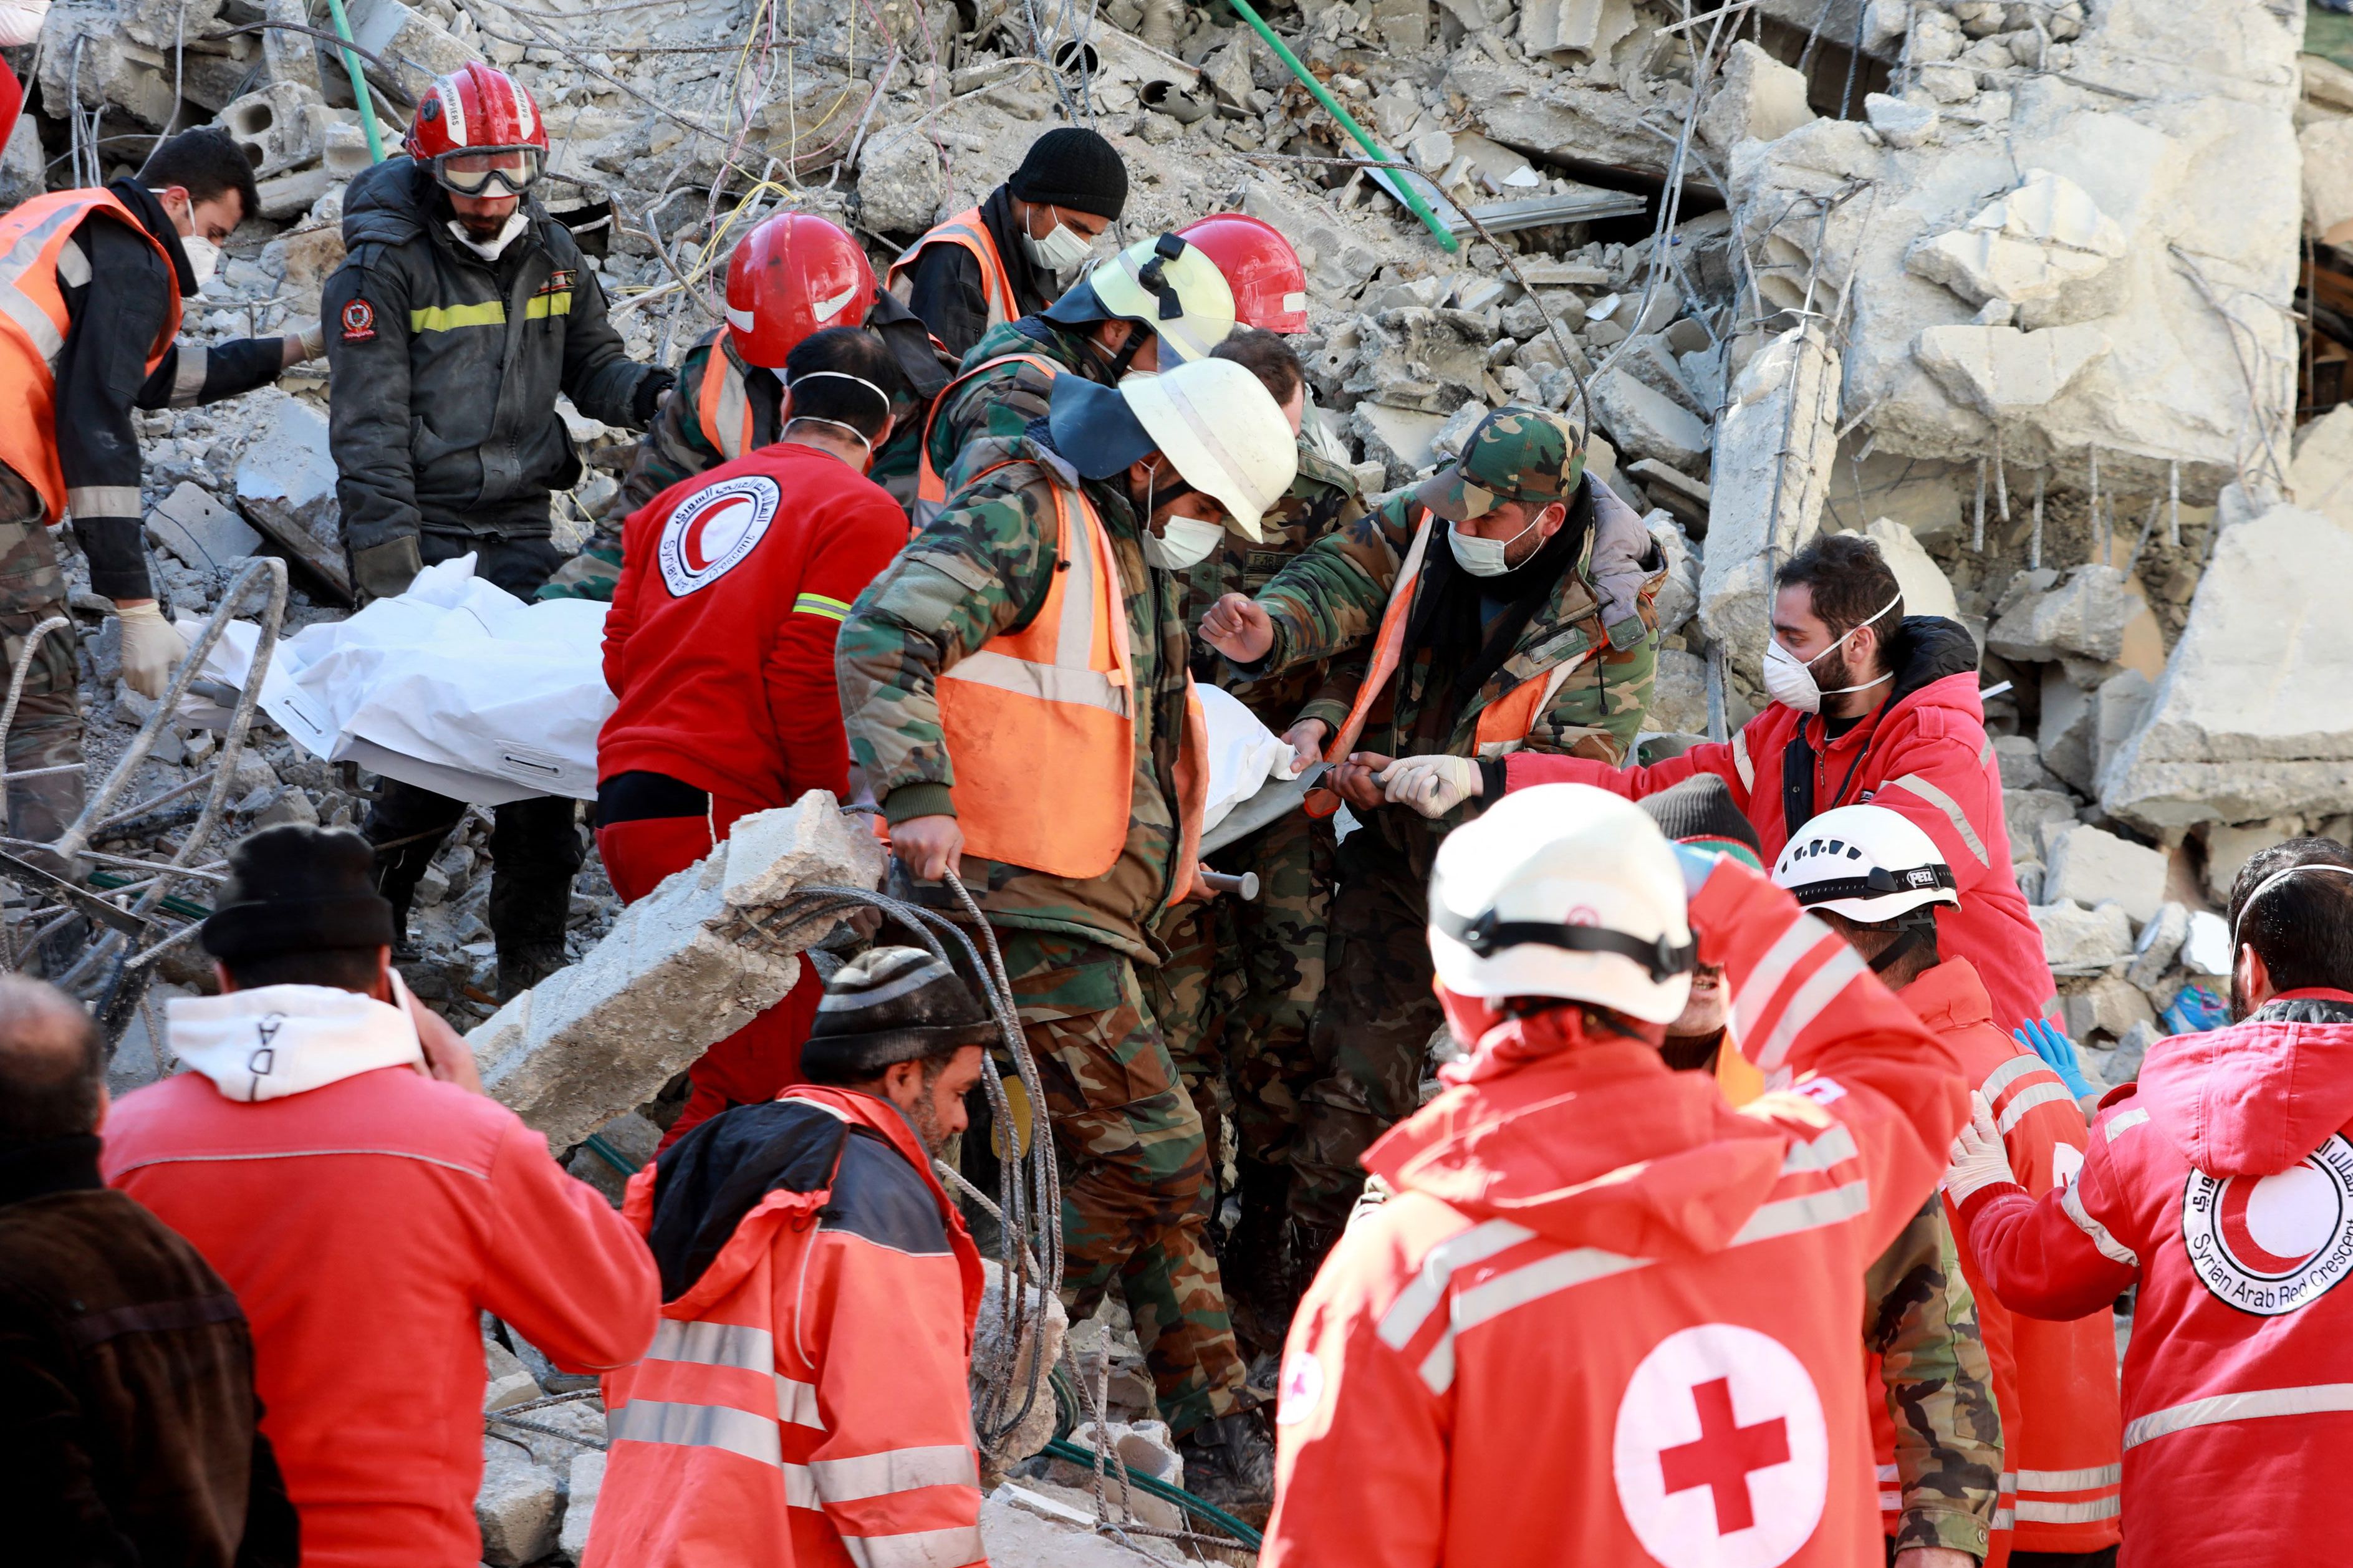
(651, 387)
(383, 571)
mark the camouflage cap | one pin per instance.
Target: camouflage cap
(1515, 454)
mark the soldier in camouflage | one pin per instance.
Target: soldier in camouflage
(1557, 647)
(1131, 1138)
(1922, 1324)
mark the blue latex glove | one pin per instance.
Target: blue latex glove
(2057, 1052)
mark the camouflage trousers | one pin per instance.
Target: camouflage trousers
(1238, 992)
(1372, 1032)
(1134, 1166)
(47, 729)
(1920, 1322)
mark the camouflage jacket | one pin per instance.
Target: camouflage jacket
(1921, 1320)
(1001, 404)
(1320, 500)
(1328, 602)
(982, 566)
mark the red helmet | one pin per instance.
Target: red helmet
(1270, 285)
(794, 275)
(479, 128)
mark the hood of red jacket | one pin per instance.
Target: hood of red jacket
(1936, 664)
(2256, 1098)
(1590, 1140)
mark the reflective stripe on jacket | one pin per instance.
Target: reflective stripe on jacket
(722, 405)
(805, 1401)
(33, 326)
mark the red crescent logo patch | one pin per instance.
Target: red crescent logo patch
(2268, 1245)
(709, 532)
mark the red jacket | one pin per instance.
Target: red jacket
(2222, 1185)
(1923, 752)
(366, 1226)
(2054, 1384)
(719, 645)
(1605, 1313)
(805, 1401)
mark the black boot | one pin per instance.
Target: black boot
(1230, 1463)
(525, 966)
(1262, 1285)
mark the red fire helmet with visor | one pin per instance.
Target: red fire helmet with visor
(480, 131)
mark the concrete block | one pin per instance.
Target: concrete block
(2328, 148)
(200, 531)
(584, 1481)
(2108, 1006)
(1397, 438)
(2069, 731)
(22, 162)
(2253, 717)
(901, 181)
(2021, 761)
(1679, 694)
(2092, 867)
(1757, 98)
(1899, 122)
(418, 48)
(2132, 1050)
(1402, 24)
(1774, 444)
(2077, 941)
(2083, 614)
(288, 56)
(2117, 708)
(280, 127)
(1017, 1530)
(1000, 1339)
(286, 478)
(1146, 1448)
(630, 1136)
(1453, 434)
(2026, 811)
(2320, 478)
(1647, 421)
(2229, 849)
(516, 1507)
(1650, 360)
(773, 854)
(1586, 28)
(2006, 374)
(2159, 944)
(506, 1381)
(1686, 499)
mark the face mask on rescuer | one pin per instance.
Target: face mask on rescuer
(1063, 248)
(1185, 543)
(1790, 680)
(1484, 557)
(204, 258)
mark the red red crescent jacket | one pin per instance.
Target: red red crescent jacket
(2222, 1185)
(805, 1401)
(1923, 752)
(2054, 1384)
(366, 1226)
(1607, 1314)
(719, 645)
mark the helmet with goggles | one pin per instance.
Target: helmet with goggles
(480, 132)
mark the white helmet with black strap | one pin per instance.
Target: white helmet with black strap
(1875, 866)
(1566, 891)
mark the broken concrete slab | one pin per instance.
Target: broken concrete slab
(991, 1351)
(902, 183)
(2109, 1005)
(2159, 945)
(2228, 848)
(1686, 499)
(201, 532)
(2118, 706)
(2253, 717)
(2006, 374)
(2320, 478)
(1678, 694)
(2044, 249)
(682, 968)
(1926, 590)
(416, 48)
(286, 486)
(1644, 420)
(1774, 447)
(2083, 614)
(2327, 149)
(1757, 98)
(2021, 761)
(2077, 941)
(516, 1506)
(2025, 811)
(2090, 866)
(584, 1481)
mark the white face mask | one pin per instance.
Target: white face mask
(1790, 680)
(1484, 557)
(1063, 248)
(204, 258)
(1187, 542)
(491, 249)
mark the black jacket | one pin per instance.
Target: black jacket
(129, 1431)
(445, 367)
(946, 291)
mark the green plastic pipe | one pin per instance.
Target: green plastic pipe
(1062, 1449)
(1348, 122)
(359, 84)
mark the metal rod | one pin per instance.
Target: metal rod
(2034, 545)
(359, 83)
(1977, 532)
(1323, 95)
(2173, 503)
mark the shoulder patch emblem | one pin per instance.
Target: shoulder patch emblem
(711, 532)
(359, 321)
(2270, 1244)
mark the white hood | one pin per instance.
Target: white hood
(277, 1041)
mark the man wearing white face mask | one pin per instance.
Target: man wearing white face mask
(1869, 705)
(100, 274)
(999, 261)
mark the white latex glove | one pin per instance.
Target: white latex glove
(1979, 1159)
(1431, 785)
(20, 21)
(150, 646)
(312, 339)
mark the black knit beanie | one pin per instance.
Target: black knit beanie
(891, 1005)
(1071, 166)
(1699, 811)
(298, 888)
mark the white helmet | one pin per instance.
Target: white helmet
(1563, 890)
(1166, 285)
(1225, 433)
(1865, 862)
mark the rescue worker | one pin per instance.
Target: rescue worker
(999, 261)
(2215, 1187)
(718, 651)
(1879, 881)
(459, 314)
(792, 275)
(332, 1155)
(805, 1398)
(1934, 1421)
(1604, 1315)
(1159, 303)
(99, 276)
(1533, 627)
(1868, 704)
(1015, 688)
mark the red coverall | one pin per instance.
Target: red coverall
(719, 650)
(2222, 1184)
(1607, 1315)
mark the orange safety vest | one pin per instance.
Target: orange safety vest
(931, 486)
(33, 326)
(723, 406)
(1502, 725)
(967, 230)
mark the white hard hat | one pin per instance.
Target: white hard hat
(1865, 862)
(1225, 433)
(1164, 284)
(1563, 890)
